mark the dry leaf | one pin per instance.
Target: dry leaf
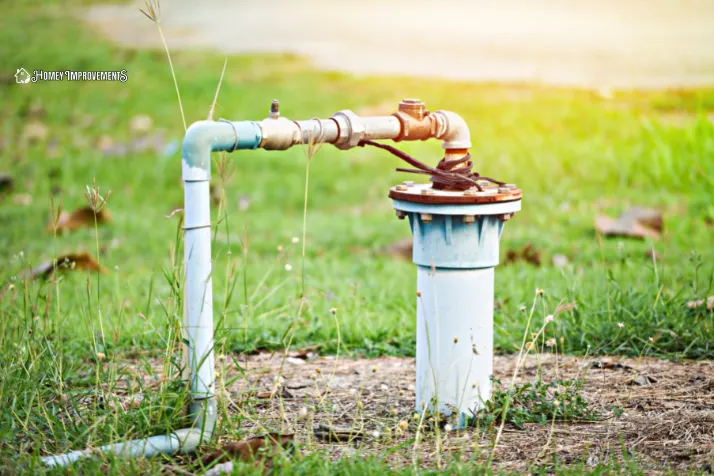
(79, 218)
(253, 449)
(635, 222)
(71, 261)
(336, 434)
(701, 302)
(528, 253)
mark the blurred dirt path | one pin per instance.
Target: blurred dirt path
(591, 43)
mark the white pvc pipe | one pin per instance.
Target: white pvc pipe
(198, 289)
(454, 339)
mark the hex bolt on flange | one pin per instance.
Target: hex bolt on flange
(426, 217)
(468, 219)
(400, 214)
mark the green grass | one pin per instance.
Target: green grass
(572, 152)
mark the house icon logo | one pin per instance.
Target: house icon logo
(22, 76)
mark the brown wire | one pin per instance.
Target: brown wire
(444, 175)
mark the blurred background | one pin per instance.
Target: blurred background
(587, 43)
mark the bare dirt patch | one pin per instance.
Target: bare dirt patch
(658, 412)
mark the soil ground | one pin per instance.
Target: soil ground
(667, 423)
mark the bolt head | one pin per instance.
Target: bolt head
(408, 183)
(506, 216)
(511, 186)
(504, 190)
(470, 193)
(427, 191)
(401, 188)
(425, 217)
(401, 214)
(468, 219)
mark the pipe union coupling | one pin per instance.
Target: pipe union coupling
(351, 129)
(279, 134)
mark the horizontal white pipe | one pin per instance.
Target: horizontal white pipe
(381, 127)
(454, 339)
(180, 441)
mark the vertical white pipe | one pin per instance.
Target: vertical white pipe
(198, 289)
(454, 339)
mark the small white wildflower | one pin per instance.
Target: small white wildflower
(302, 412)
(295, 239)
(549, 318)
(403, 425)
(383, 388)
(411, 387)
(448, 428)
(280, 247)
(620, 325)
(523, 308)
(333, 310)
(376, 434)
(550, 342)
(116, 267)
(288, 267)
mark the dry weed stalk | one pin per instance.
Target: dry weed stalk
(153, 13)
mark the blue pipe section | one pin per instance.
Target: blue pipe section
(204, 137)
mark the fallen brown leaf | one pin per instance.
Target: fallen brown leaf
(528, 253)
(80, 218)
(257, 448)
(71, 261)
(635, 222)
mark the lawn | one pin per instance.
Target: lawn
(574, 153)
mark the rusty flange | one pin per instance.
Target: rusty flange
(424, 193)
